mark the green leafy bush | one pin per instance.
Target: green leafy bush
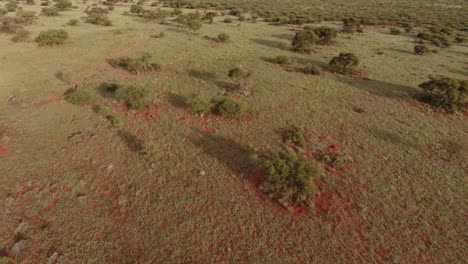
(282, 60)
(294, 135)
(304, 40)
(345, 63)
(228, 107)
(73, 22)
(447, 93)
(136, 9)
(351, 25)
(421, 49)
(227, 20)
(76, 96)
(63, 5)
(288, 178)
(325, 34)
(199, 105)
(50, 11)
(223, 37)
(133, 96)
(395, 31)
(136, 65)
(51, 37)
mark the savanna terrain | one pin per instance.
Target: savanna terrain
(135, 133)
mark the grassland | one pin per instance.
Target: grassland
(168, 186)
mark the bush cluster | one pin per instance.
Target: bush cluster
(242, 78)
(134, 96)
(449, 94)
(304, 40)
(222, 105)
(98, 16)
(78, 96)
(191, 21)
(51, 37)
(50, 11)
(345, 63)
(294, 135)
(421, 49)
(439, 39)
(351, 25)
(135, 65)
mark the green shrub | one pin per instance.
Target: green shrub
(351, 25)
(337, 160)
(21, 36)
(210, 17)
(282, 60)
(159, 35)
(52, 37)
(133, 96)
(26, 17)
(135, 65)
(421, 49)
(294, 135)
(242, 78)
(227, 107)
(158, 14)
(223, 37)
(73, 22)
(3, 12)
(288, 178)
(191, 21)
(199, 105)
(98, 19)
(136, 9)
(438, 39)
(345, 63)
(325, 34)
(227, 20)
(312, 69)
(447, 93)
(395, 31)
(63, 5)
(50, 11)
(11, 6)
(79, 96)
(177, 12)
(304, 40)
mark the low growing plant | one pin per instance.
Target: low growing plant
(51, 37)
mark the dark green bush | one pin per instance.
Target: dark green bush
(288, 178)
(223, 37)
(135, 65)
(227, 20)
(136, 9)
(304, 40)
(294, 135)
(351, 25)
(395, 31)
(282, 60)
(63, 5)
(447, 93)
(52, 37)
(345, 63)
(79, 96)
(325, 34)
(227, 107)
(73, 22)
(421, 49)
(50, 11)
(136, 97)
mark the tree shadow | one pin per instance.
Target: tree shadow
(177, 100)
(271, 43)
(401, 51)
(210, 77)
(392, 138)
(381, 88)
(287, 37)
(237, 157)
(133, 143)
(307, 61)
(107, 90)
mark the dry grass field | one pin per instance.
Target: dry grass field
(170, 186)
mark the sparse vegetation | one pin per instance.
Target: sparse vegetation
(312, 69)
(136, 65)
(21, 36)
(79, 96)
(51, 37)
(228, 107)
(73, 22)
(294, 135)
(134, 96)
(199, 105)
(242, 78)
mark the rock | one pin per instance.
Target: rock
(202, 173)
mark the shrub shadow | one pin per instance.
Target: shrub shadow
(381, 88)
(210, 77)
(392, 138)
(270, 43)
(177, 100)
(287, 37)
(133, 143)
(235, 156)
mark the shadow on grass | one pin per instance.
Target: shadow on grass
(401, 51)
(133, 143)
(210, 77)
(287, 37)
(177, 100)
(271, 43)
(392, 138)
(381, 88)
(235, 156)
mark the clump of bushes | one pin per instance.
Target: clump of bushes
(73, 22)
(446, 93)
(50, 11)
(11, 6)
(351, 25)
(294, 135)
(335, 159)
(421, 49)
(228, 107)
(136, 65)
(223, 38)
(288, 178)
(210, 17)
(312, 69)
(282, 60)
(98, 16)
(10, 25)
(158, 14)
(222, 105)
(26, 17)
(133, 96)
(345, 63)
(325, 34)
(136, 9)
(304, 40)
(51, 37)
(78, 96)
(395, 31)
(191, 21)
(63, 5)
(242, 78)
(439, 39)
(107, 113)
(21, 36)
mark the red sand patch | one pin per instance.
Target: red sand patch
(49, 100)
(3, 149)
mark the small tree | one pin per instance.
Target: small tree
(242, 78)
(304, 40)
(421, 49)
(223, 37)
(136, 9)
(447, 93)
(325, 34)
(345, 63)
(63, 4)
(351, 25)
(51, 37)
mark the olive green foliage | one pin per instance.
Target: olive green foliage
(294, 135)
(325, 34)
(50, 11)
(395, 31)
(98, 16)
(63, 5)
(439, 38)
(337, 160)
(136, 9)
(223, 37)
(351, 25)
(345, 63)
(288, 178)
(199, 105)
(242, 78)
(449, 94)
(282, 60)
(136, 65)
(228, 107)
(191, 21)
(134, 96)
(421, 49)
(304, 40)
(77, 96)
(73, 22)
(51, 37)
(158, 14)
